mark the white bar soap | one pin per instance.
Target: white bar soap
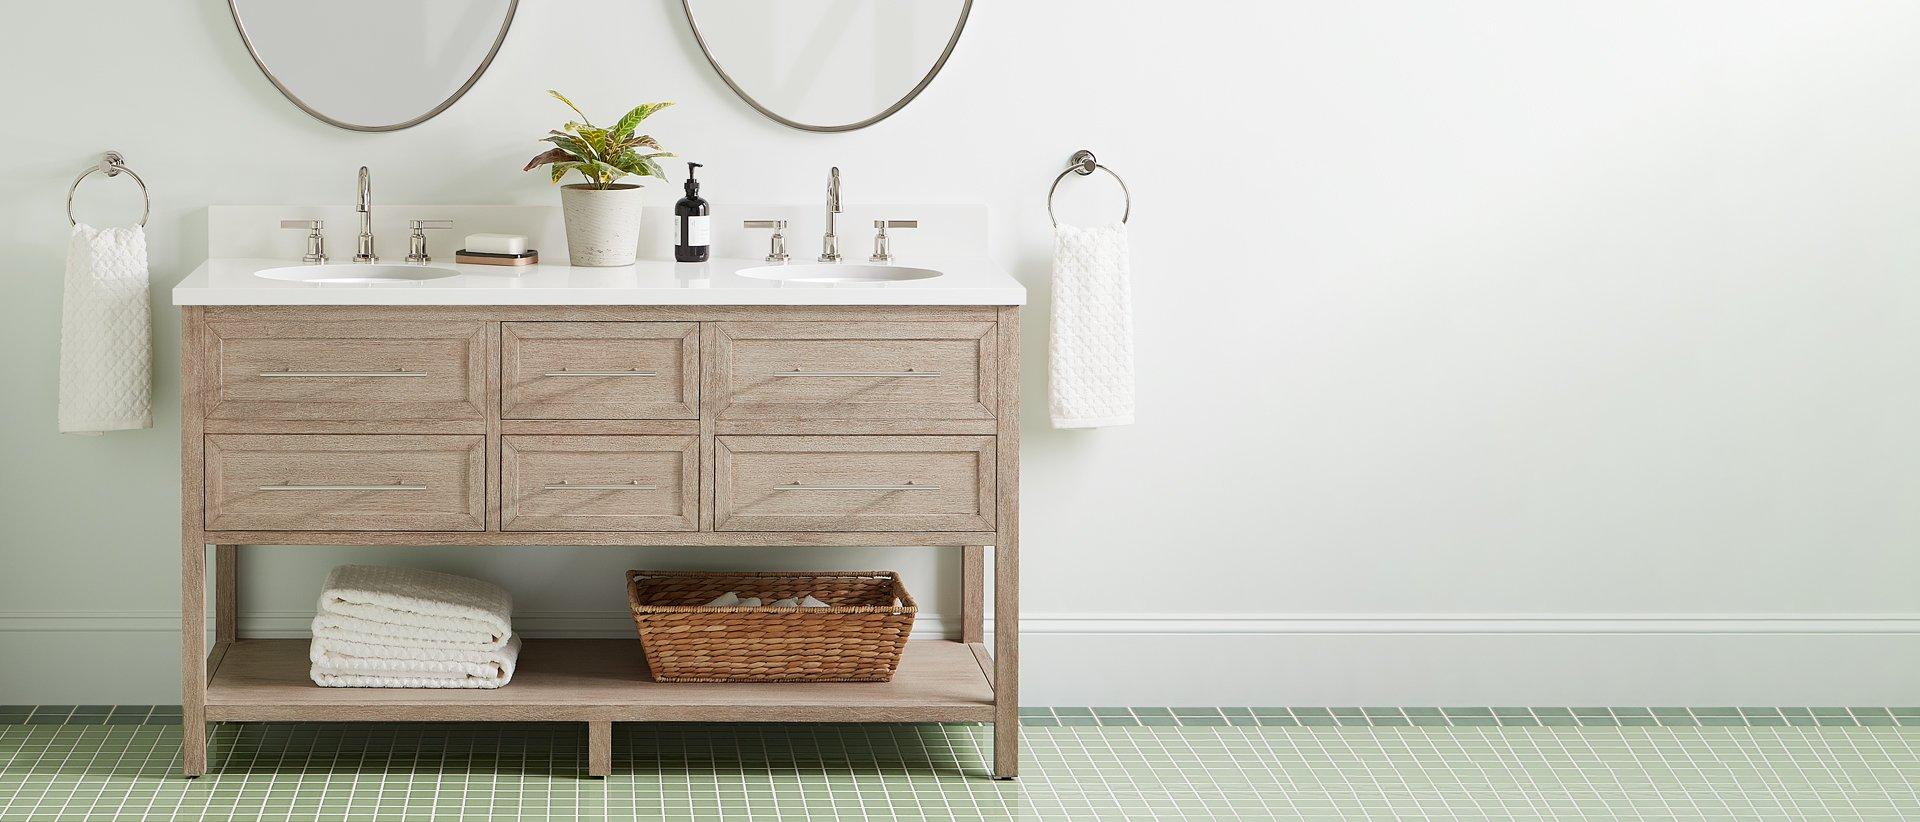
(496, 244)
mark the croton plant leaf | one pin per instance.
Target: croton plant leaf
(632, 119)
(552, 155)
(601, 155)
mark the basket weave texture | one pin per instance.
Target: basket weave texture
(857, 639)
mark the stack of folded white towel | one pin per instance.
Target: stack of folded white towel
(384, 627)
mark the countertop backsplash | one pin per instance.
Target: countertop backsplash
(253, 231)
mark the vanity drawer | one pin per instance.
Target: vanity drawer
(854, 483)
(854, 371)
(364, 482)
(599, 483)
(346, 371)
(600, 371)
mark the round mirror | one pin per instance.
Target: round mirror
(827, 65)
(373, 65)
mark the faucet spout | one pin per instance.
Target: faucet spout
(830, 244)
(363, 250)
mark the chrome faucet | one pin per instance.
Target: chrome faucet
(363, 252)
(830, 244)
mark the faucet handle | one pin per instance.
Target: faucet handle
(417, 241)
(778, 252)
(316, 243)
(882, 253)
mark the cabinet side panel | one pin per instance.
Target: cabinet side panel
(192, 407)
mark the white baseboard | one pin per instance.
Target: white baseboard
(1275, 624)
(1217, 659)
(282, 624)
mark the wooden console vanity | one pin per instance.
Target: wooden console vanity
(601, 425)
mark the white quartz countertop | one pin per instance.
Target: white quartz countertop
(964, 281)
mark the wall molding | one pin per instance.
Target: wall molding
(615, 623)
(1209, 658)
(1271, 624)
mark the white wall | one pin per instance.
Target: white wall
(1489, 352)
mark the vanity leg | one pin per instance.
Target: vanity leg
(973, 594)
(193, 549)
(1006, 659)
(193, 657)
(1006, 554)
(226, 593)
(599, 749)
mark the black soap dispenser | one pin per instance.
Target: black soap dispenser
(694, 239)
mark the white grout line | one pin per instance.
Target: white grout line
(1182, 772)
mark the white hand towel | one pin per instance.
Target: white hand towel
(333, 669)
(1090, 349)
(106, 337)
(329, 647)
(726, 600)
(354, 629)
(810, 602)
(789, 602)
(414, 604)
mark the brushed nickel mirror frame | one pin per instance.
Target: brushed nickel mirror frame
(512, 6)
(959, 26)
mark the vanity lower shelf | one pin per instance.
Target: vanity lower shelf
(598, 680)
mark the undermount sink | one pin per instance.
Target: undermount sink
(839, 273)
(355, 273)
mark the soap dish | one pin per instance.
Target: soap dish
(528, 257)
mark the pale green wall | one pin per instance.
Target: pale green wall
(1449, 313)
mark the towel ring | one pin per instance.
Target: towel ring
(112, 165)
(1083, 164)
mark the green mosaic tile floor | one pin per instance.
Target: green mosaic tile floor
(67, 765)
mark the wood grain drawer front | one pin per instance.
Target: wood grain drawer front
(856, 483)
(600, 371)
(345, 371)
(600, 483)
(302, 482)
(855, 371)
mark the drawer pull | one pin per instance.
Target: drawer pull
(324, 374)
(563, 485)
(887, 374)
(634, 373)
(394, 487)
(907, 487)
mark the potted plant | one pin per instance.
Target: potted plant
(602, 216)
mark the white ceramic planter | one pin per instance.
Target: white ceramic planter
(603, 225)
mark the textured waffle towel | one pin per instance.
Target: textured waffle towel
(106, 338)
(381, 627)
(409, 603)
(354, 665)
(1090, 350)
(353, 629)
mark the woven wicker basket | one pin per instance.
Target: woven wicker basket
(857, 639)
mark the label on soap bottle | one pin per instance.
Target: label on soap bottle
(696, 230)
